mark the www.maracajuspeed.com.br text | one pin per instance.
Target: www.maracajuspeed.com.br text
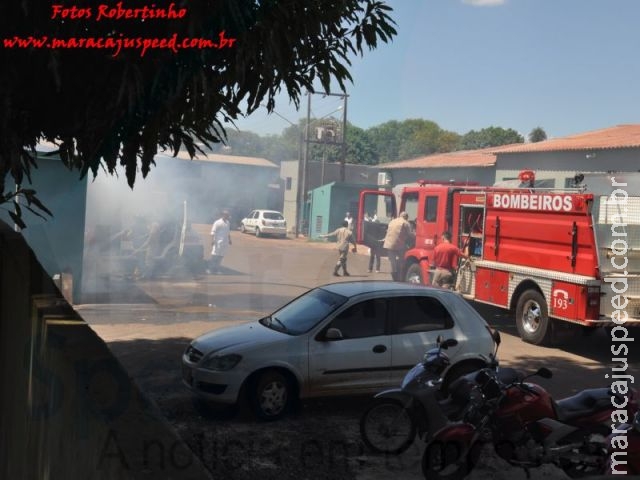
(117, 44)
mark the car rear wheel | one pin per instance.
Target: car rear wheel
(271, 396)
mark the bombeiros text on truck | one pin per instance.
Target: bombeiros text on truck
(552, 255)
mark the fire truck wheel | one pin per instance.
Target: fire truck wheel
(532, 318)
(414, 274)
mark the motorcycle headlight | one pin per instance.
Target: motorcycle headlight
(221, 363)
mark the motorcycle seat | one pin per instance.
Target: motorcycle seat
(584, 403)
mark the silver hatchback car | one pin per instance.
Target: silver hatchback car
(264, 222)
(339, 339)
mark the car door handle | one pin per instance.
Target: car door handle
(379, 349)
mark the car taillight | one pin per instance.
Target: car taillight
(593, 296)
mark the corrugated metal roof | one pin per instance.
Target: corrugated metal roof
(230, 159)
(183, 155)
(620, 136)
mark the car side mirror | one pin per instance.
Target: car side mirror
(333, 334)
(496, 337)
(439, 340)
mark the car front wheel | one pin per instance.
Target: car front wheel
(271, 395)
(258, 232)
(242, 228)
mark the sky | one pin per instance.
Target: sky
(568, 66)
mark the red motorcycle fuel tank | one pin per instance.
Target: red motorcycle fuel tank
(524, 406)
(460, 432)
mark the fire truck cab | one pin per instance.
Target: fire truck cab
(548, 254)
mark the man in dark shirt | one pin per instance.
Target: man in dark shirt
(445, 260)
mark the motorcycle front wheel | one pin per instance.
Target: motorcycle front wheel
(387, 427)
(445, 461)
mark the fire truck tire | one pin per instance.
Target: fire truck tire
(414, 274)
(532, 318)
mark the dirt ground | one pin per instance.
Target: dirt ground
(320, 440)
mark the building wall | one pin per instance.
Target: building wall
(560, 167)
(329, 205)
(482, 175)
(320, 211)
(57, 241)
(289, 177)
(318, 175)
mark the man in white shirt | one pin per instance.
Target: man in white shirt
(221, 239)
(349, 220)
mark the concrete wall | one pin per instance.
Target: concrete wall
(560, 166)
(482, 175)
(68, 408)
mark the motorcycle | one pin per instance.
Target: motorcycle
(425, 402)
(527, 428)
(623, 455)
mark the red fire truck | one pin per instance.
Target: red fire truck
(551, 255)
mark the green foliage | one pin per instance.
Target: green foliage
(411, 138)
(489, 137)
(388, 142)
(537, 135)
(360, 148)
(104, 109)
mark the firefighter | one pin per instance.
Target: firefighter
(445, 259)
(395, 243)
(344, 237)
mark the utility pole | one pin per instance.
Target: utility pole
(343, 160)
(304, 170)
(330, 135)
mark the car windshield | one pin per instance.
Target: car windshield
(305, 312)
(272, 216)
